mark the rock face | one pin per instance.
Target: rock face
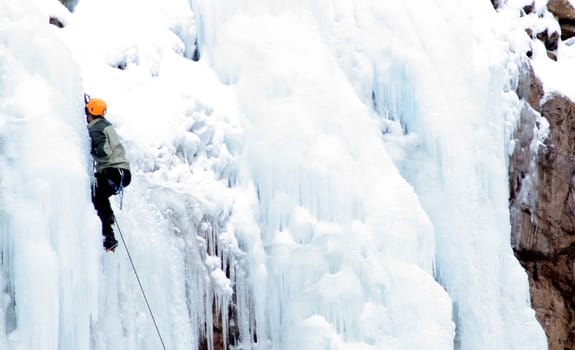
(565, 14)
(70, 4)
(496, 3)
(542, 206)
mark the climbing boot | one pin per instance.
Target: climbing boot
(110, 243)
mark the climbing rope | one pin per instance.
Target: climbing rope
(140, 283)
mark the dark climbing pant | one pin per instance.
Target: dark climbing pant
(109, 181)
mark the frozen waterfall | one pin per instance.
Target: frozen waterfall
(307, 175)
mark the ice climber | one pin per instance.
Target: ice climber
(112, 169)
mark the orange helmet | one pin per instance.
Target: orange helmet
(96, 107)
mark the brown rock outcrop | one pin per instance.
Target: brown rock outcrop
(556, 205)
(548, 36)
(565, 14)
(529, 88)
(542, 206)
(561, 9)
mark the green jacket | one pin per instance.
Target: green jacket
(107, 150)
